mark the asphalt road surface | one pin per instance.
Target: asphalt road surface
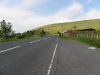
(48, 56)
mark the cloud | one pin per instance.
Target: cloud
(68, 12)
(34, 2)
(93, 13)
(90, 1)
(24, 4)
(90, 14)
(23, 19)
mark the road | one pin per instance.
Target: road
(48, 56)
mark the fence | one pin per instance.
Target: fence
(89, 35)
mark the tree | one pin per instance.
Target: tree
(75, 27)
(5, 29)
(0, 33)
(28, 34)
(13, 34)
(60, 34)
(19, 36)
(42, 33)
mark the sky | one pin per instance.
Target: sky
(29, 14)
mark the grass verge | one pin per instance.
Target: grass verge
(17, 39)
(92, 42)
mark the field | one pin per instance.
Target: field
(89, 38)
(54, 28)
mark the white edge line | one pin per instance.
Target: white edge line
(52, 59)
(10, 49)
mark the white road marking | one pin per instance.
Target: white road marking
(10, 49)
(35, 41)
(18, 46)
(52, 59)
(38, 40)
(47, 38)
(92, 48)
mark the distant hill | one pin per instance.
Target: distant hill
(54, 28)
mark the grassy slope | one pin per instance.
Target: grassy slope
(53, 28)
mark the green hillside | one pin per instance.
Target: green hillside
(54, 28)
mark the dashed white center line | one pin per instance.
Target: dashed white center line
(38, 40)
(52, 59)
(17, 47)
(47, 38)
(10, 49)
(35, 41)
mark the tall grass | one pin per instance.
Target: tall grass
(91, 40)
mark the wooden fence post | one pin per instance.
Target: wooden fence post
(87, 35)
(97, 37)
(77, 35)
(92, 36)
